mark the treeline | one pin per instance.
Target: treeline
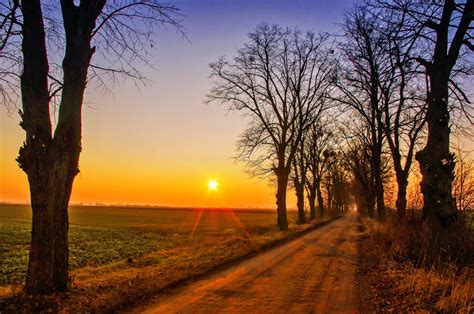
(341, 118)
(336, 117)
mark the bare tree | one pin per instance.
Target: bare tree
(75, 32)
(358, 85)
(444, 29)
(463, 184)
(336, 182)
(356, 155)
(320, 153)
(402, 88)
(9, 60)
(279, 79)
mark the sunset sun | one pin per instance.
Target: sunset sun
(212, 185)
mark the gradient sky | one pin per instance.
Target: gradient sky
(162, 144)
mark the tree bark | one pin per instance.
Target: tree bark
(50, 190)
(282, 184)
(299, 188)
(437, 165)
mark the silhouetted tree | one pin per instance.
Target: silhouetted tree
(9, 60)
(463, 184)
(279, 79)
(320, 153)
(300, 168)
(49, 156)
(356, 155)
(336, 182)
(402, 89)
(358, 85)
(444, 29)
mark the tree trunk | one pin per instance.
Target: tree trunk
(320, 200)
(437, 165)
(50, 190)
(312, 203)
(379, 191)
(282, 183)
(329, 200)
(401, 202)
(299, 188)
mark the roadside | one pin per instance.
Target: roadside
(122, 284)
(387, 282)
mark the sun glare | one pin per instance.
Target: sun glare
(212, 185)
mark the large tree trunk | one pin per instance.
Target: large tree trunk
(299, 188)
(51, 162)
(436, 161)
(50, 192)
(282, 184)
(437, 165)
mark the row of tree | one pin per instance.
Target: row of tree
(397, 68)
(394, 80)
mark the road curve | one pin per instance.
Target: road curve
(312, 274)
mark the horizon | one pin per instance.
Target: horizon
(150, 206)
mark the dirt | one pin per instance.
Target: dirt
(315, 273)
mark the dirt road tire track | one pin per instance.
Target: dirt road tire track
(312, 274)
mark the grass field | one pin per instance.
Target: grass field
(102, 235)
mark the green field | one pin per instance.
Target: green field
(101, 235)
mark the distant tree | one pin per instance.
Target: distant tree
(358, 86)
(463, 184)
(402, 88)
(337, 185)
(356, 156)
(120, 32)
(279, 79)
(320, 153)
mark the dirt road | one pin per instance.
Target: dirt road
(313, 274)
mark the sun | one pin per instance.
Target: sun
(212, 185)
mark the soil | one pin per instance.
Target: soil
(313, 274)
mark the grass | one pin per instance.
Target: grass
(118, 256)
(101, 235)
(89, 246)
(389, 280)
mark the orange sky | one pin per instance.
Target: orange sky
(123, 166)
(160, 145)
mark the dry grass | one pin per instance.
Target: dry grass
(394, 278)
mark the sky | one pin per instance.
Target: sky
(161, 145)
